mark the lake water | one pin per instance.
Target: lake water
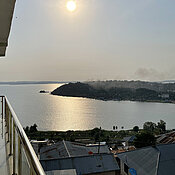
(64, 113)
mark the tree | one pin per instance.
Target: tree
(33, 128)
(162, 125)
(149, 126)
(136, 129)
(26, 129)
(144, 139)
(94, 131)
(72, 138)
(97, 133)
(122, 133)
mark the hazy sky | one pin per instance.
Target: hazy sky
(102, 39)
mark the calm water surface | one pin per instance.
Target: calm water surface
(63, 113)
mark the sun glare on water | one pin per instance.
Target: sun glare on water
(71, 5)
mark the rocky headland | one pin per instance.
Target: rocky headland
(120, 90)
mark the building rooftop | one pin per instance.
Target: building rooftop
(84, 164)
(65, 149)
(166, 138)
(158, 160)
(129, 139)
(62, 172)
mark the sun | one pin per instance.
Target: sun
(71, 5)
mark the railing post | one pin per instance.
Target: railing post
(31, 171)
(2, 107)
(2, 118)
(7, 123)
(19, 156)
(16, 131)
(10, 125)
(5, 109)
(14, 149)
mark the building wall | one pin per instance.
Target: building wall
(122, 169)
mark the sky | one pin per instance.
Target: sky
(100, 40)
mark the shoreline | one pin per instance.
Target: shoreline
(124, 91)
(144, 101)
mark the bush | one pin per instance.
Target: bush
(144, 139)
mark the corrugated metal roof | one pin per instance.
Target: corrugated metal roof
(102, 149)
(144, 161)
(167, 159)
(159, 160)
(129, 139)
(61, 172)
(166, 138)
(83, 165)
(6, 14)
(65, 149)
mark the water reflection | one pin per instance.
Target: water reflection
(65, 113)
(71, 113)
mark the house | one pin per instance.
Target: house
(96, 164)
(158, 160)
(166, 138)
(164, 96)
(128, 141)
(65, 149)
(90, 159)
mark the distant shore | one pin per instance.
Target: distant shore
(145, 92)
(31, 82)
(148, 101)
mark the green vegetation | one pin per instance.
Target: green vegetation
(160, 128)
(117, 93)
(136, 129)
(144, 137)
(94, 135)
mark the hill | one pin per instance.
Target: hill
(119, 90)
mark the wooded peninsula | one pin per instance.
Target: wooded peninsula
(120, 90)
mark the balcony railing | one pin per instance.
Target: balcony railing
(23, 157)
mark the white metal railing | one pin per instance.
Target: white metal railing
(24, 159)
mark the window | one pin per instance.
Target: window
(118, 161)
(126, 168)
